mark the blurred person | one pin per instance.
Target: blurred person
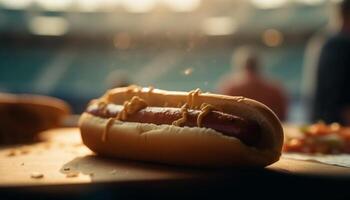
(312, 54)
(249, 82)
(331, 98)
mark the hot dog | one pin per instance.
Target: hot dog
(247, 131)
(182, 128)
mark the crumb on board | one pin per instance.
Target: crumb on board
(91, 174)
(11, 153)
(66, 168)
(72, 174)
(16, 152)
(24, 151)
(22, 164)
(36, 175)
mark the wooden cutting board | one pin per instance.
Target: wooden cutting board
(63, 159)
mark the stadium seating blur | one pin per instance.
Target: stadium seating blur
(68, 48)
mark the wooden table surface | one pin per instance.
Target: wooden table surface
(62, 159)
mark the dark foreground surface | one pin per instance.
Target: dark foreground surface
(242, 184)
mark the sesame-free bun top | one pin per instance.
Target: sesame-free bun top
(184, 145)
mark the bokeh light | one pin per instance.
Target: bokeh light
(219, 26)
(48, 25)
(272, 37)
(268, 4)
(182, 5)
(139, 6)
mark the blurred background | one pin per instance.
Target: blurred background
(76, 49)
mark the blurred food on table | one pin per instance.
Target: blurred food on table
(23, 116)
(318, 138)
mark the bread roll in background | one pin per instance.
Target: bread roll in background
(23, 116)
(187, 146)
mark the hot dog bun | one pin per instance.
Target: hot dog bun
(22, 116)
(191, 146)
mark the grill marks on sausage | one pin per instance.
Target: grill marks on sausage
(248, 132)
